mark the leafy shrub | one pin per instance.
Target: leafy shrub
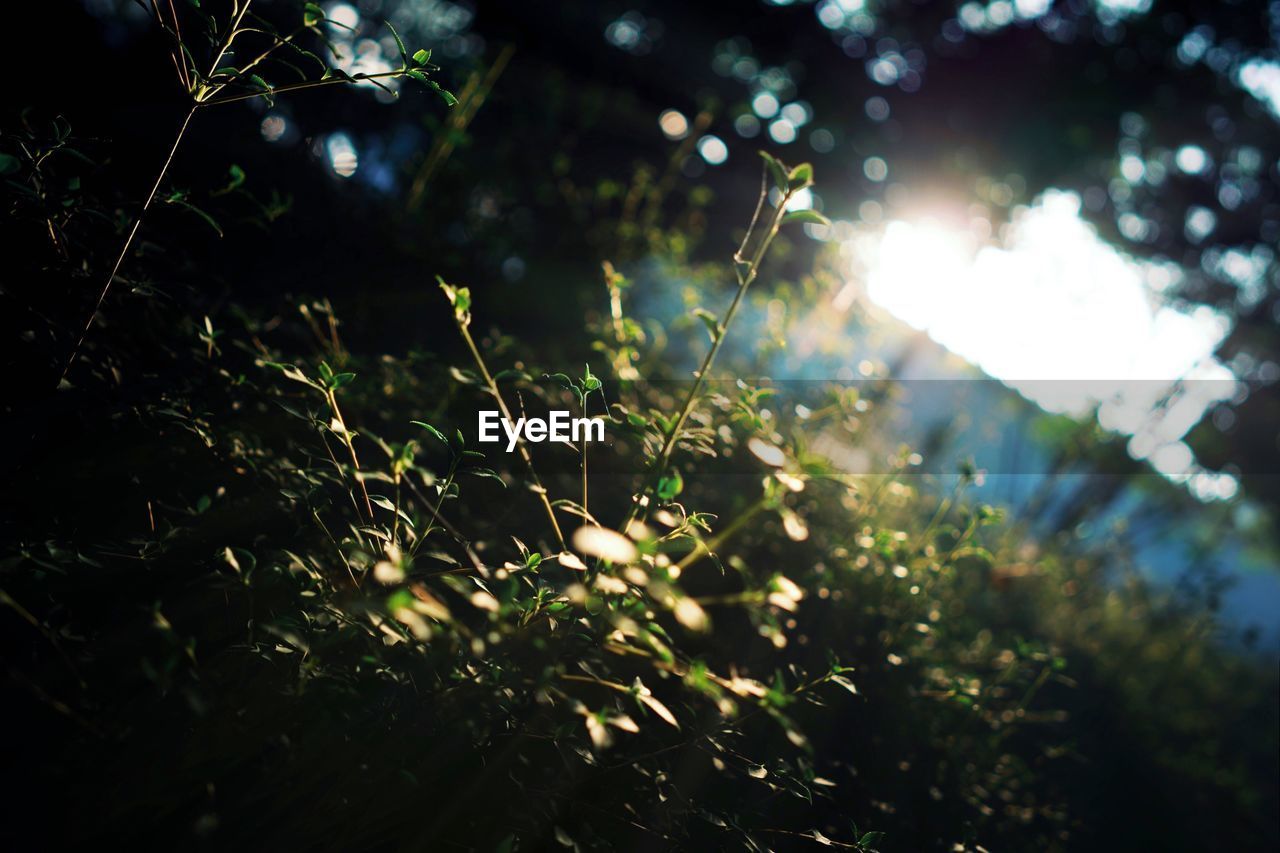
(264, 590)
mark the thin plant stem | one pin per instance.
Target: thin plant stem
(128, 243)
(202, 98)
(586, 512)
(279, 42)
(640, 509)
(449, 528)
(944, 506)
(470, 99)
(179, 57)
(155, 188)
(506, 413)
(337, 466)
(297, 87)
(232, 32)
(395, 519)
(351, 448)
(703, 549)
(345, 562)
(435, 513)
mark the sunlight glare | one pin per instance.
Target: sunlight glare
(1059, 315)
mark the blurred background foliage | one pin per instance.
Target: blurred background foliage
(1010, 629)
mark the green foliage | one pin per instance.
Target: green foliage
(263, 60)
(223, 84)
(358, 629)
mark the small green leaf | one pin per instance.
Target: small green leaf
(449, 99)
(561, 379)
(845, 683)
(404, 53)
(212, 223)
(466, 377)
(486, 473)
(811, 216)
(421, 57)
(801, 176)
(590, 382)
(340, 379)
(459, 298)
(670, 485)
(291, 372)
(776, 170)
(312, 15)
(709, 320)
(434, 432)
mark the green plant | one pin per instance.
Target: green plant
(746, 265)
(303, 610)
(212, 82)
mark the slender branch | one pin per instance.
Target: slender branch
(345, 562)
(351, 448)
(128, 244)
(586, 512)
(702, 549)
(826, 842)
(944, 506)
(342, 476)
(612, 685)
(179, 56)
(755, 216)
(395, 515)
(506, 413)
(640, 509)
(470, 99)
(231, 36)
(203, 98)
(296, 87)
(448, 528)
(279, 42)
(10, 602)
(435, 513)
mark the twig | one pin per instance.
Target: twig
(640, 509)
(471, 98)
(128, 243)
(506, 413)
